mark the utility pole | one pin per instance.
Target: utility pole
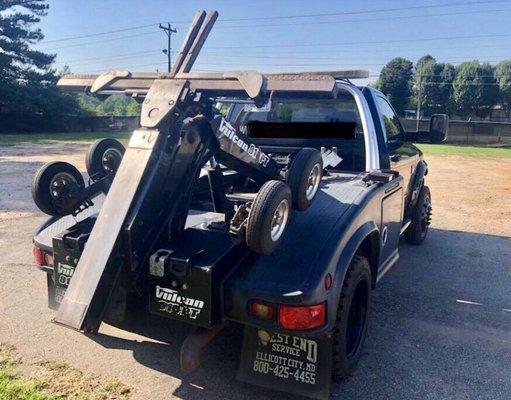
(419, 99)
(168, 31)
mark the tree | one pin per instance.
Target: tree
(395, 82)
(443, 97)
(435, 80)
(503, 78)
(475, 89)
(424, 87)
(116, 105)
(27, 80)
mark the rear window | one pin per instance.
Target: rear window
(340, 109)
(306, 121)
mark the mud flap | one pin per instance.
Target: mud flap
(294, 364)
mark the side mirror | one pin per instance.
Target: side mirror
(438, 127)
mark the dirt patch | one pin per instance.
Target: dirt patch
(471, 194)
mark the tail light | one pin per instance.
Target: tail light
(42, 258)
(295, 318)
(262, 310)
(39, 256)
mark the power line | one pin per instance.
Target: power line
(454, 4)
(65, 39)
(265, 56)
(392, 18)
(292, 53)
(366, 42)
(101, 41)
(297, 16)
(107, 58)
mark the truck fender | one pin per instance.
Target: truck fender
(416, 185)
(366, 233)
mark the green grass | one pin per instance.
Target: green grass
(56, 381)
(59, 138)
(464, 151)
(88, 137)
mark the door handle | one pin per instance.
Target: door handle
(395, 157)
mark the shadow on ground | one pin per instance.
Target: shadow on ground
(440, 328)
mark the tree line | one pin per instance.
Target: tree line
(28, 78)
(469, 89)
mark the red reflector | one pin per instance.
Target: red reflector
(262, 310)
(39, 256)
(303, 317)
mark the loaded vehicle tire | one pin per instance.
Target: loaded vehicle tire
(104, 157)
(304, 177)
(350, 327)
(268, 217)
(53, 183)
(420, 217)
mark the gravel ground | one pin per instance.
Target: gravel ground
(441, 322)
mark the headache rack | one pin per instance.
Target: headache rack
(245, 83)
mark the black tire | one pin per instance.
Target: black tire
(104, 157)
(45, 179)
(302, 177)
(261, 237)
(350, 327)
(420, 216)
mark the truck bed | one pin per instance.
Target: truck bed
(285, 271)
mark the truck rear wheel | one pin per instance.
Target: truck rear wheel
(352, 317)
(420, 218)
(304, 177)
(268, 217)
(53, 183)
(104, 157)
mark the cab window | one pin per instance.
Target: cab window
(389, 120)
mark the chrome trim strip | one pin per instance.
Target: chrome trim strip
(370, 140)
(388, 265)
(406, 225)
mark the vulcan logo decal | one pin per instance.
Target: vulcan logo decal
(253, 151)
(65, 273)
(170, 301)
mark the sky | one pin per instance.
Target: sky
(277, 35)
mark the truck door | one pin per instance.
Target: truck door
(403, 156)
(391, 217)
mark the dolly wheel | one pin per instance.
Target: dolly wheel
(268, 217)
(104, 157)
(53, 183)
(304, 177)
